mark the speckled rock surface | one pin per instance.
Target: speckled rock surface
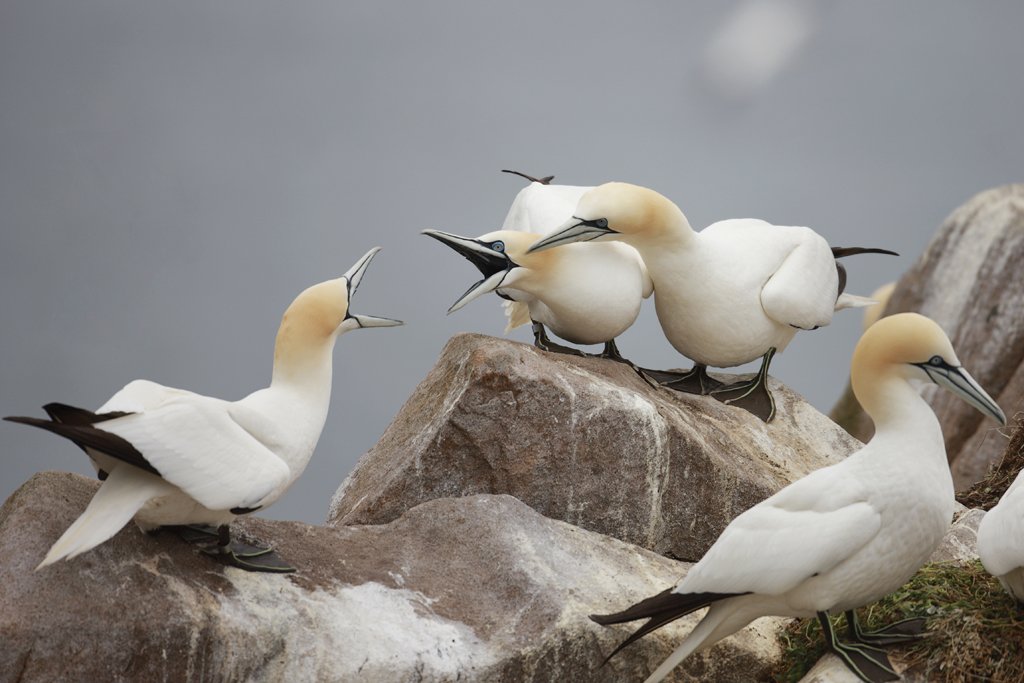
(969, 281)
(480, 588)
(960, 544)
(586, 441)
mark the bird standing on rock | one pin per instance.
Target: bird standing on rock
(173, 457)
(584, 295)
(737, 291)
(845, 535)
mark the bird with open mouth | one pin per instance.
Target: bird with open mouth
(170, 457)
(584, 295)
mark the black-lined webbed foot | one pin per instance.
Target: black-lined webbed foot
(752, 395)
(897, 633)
(693, 381)
(217, 543)
(544, 343)
(868, 663)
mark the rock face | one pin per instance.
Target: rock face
(969, 281)
(480, 588)
(586, 441)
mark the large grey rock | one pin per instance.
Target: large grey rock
(969, 280)
(479, 588)
(586, 441)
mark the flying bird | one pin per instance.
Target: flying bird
(585, 295)
(845, 535)
(1001, 540)
(170, 457)
(734, 292)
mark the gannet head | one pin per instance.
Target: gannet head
(621, 211)
(914, 347)
(323, 309)
(500, 256)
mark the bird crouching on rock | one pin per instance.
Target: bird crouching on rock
(845, 535)
(734, 292)
(170, 457)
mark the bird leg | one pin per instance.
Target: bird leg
(752, 395)
(904, 631)
(217, 542)
(542, 342)
(868, 663)
(611, 352)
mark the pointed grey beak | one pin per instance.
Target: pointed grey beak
(960, 382)
(574, 230)
(489, 258)
(353, 277)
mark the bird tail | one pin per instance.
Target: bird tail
(715, 625)
(853, 301)
(661, 609)
(518, 313)
(118, 499)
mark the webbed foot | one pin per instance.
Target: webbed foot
(870, 664)
(898, 633)
(542, 342)
(753, 395)
(694, 381)
(217, 542)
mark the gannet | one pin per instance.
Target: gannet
(734, 292)
(172, 457)
(584, 295)
(845, 535)
(1001, 540)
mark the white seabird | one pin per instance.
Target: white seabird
(584, 295)
(845, 535)
(172, 457)
(1001, 540)
(734, 292)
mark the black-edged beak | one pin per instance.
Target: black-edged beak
(574, 230)
(352, 280)
(488, 257)
(960, 382)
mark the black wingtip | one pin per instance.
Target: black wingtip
(843, 252)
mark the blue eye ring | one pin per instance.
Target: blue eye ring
(498, 246)
(601, 222)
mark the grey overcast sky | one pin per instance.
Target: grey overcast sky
(173, 173)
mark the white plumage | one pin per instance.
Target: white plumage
(179, 458)
(1001, 540)
(584, 294)
(845, 535)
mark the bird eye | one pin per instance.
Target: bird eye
(936, 360)
(498, 246)
(601, 222)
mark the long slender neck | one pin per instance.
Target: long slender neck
(669, 233)
(303, 360)
(896, 407)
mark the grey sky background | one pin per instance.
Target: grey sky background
(173, 174)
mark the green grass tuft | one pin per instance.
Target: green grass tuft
(976, 631)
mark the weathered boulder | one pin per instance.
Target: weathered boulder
(586, 441)
(969, 281)
(479, 588)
